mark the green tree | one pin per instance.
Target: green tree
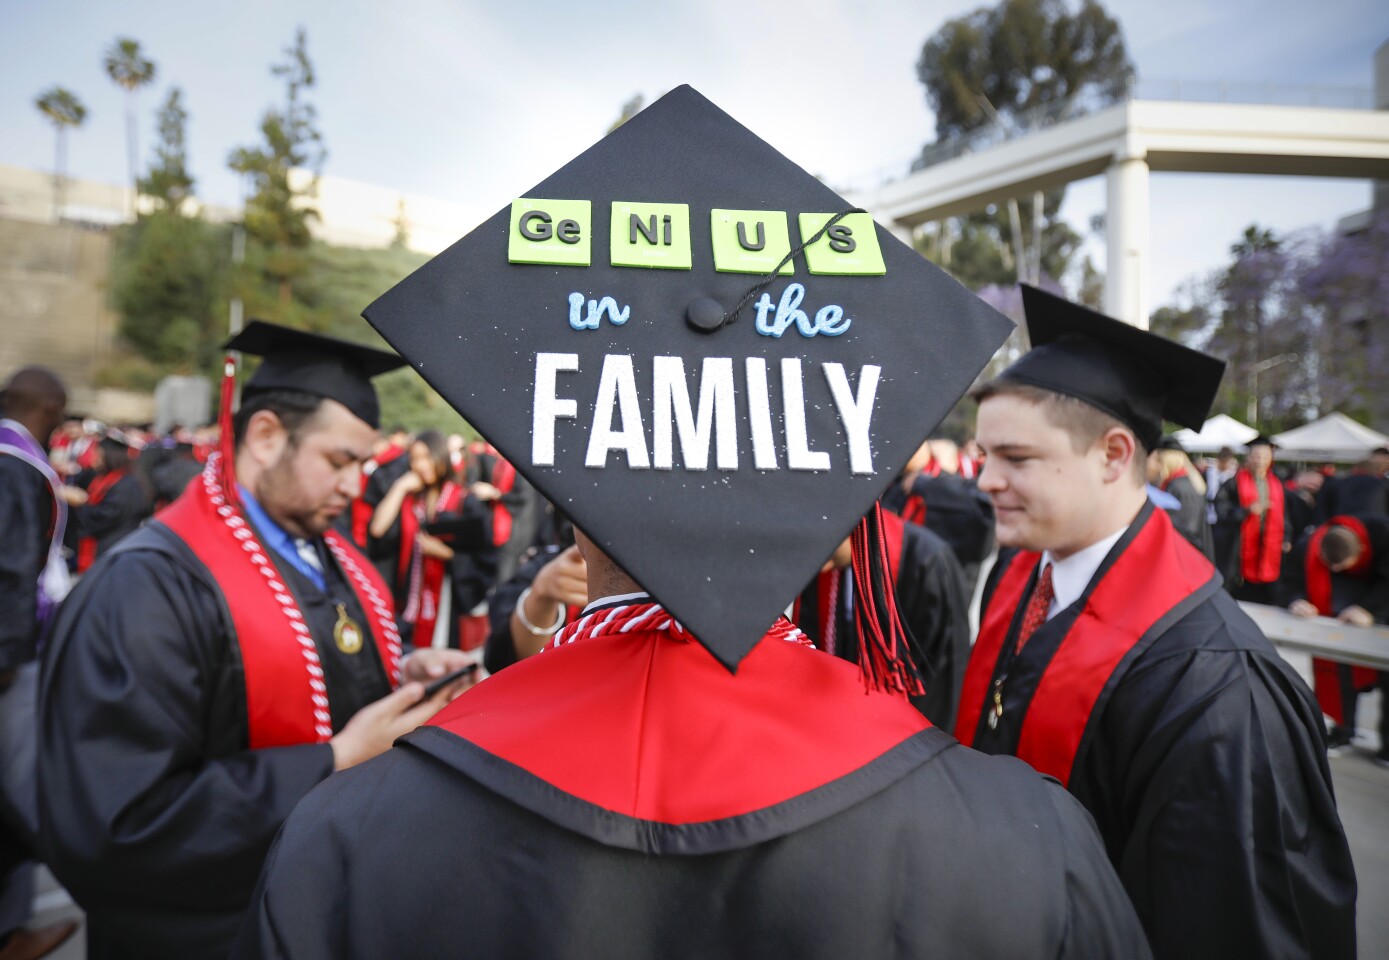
(130, 70)
(277, 213)
(1023, 63)
(169, 182)
(1009, 69)
(169, 274)
(61, 108)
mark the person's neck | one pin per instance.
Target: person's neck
(1107, 523)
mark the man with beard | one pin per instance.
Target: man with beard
(218, 663)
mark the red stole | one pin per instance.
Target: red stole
(96, 492)
(653, 727)
(504, 479)
(286, 699)
(1175, 474)
(1155, 572)
(426, 584)
(914, 509)
(1261, 536)
(893, 528)
(1325, 674)
(361, 510)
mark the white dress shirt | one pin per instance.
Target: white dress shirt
(1070, 577)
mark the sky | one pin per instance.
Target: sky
(474, 102)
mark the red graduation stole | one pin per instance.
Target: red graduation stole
(1157, 571)
(914, 510)
(361, 510)
(1261, 537)
(1325, 679)
(893, 528)
(641, 720)
(504, 479)
(1175, 474)
(425, 591)
(96, 492)
(286, 699)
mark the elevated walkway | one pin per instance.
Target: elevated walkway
(1128, 141)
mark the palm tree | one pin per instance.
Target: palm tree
(130, 70)
(63, 110)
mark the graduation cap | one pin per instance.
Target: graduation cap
(1135, 376)
(311, 363)
(591, 330)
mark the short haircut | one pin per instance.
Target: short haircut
(1339, 545)
(295, 408)
(1084, 423)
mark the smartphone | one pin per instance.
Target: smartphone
(447, 679)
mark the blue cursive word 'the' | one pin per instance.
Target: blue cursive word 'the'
(773, 319)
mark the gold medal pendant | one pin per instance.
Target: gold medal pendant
(347, 633)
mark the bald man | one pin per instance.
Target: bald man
(33, 578)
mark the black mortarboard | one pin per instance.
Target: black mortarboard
(311, 363)
(719, 468)
(1261, 441)
(1169, 441)
(1135, 376)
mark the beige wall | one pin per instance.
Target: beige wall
(53, 308)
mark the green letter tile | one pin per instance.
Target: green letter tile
(730, 256)
(643, 253)
(552, 250)
(866, 259)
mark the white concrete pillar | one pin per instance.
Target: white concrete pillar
(1126, 230)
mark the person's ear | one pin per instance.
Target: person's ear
(266, 438)
(1119, 448)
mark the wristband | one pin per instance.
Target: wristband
(534, 630)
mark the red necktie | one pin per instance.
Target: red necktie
(832, 617)
(1037, 607)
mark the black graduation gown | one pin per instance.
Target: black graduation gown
(1190, 517)
(125, 506)
(934, 607)
(153, 812)
(909, 855)
(1370, 592)
(1206, 773)
(26, 514)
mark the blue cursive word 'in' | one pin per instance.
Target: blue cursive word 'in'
(596, 309)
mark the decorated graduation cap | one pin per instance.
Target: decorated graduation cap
(700, 353)
(1135, 376)
(311, 363)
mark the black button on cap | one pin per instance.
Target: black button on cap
(704, 314)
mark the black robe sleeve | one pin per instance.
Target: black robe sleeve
(26, 509)
(501, 648)
(151, 804)
(1209, 782)
(935, 608)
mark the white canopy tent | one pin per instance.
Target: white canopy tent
(1219, 431)
(1335, 437)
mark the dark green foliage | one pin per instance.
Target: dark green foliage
(169, 275)
(1014, 67)
(1026, 62)
(169, 183)
(278, 211)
